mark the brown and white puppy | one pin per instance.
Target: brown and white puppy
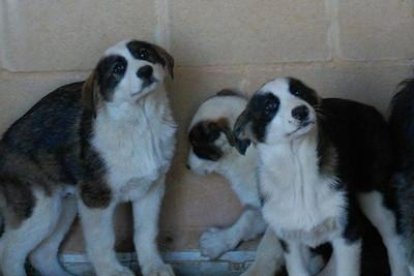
(212, 150)
(86, 147)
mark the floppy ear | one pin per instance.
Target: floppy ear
(224, 127)
(89, 94)
(168, 59)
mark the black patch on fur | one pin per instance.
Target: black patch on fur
(18, 198)
(109, 72)
(145, 51)
(94, 191)
(203, 136)
(358, 135)
(47, 134)
(260, 111)
(352, 231)
(300, 90)
(152, 53)
(285, 246)
(401, 124)
(41, 149)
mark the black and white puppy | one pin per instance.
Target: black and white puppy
(212, 149)
(86, 147)
(320, 163)
(402, 131)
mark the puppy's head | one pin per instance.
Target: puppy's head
(283, 109)
(210, 133)
(127, 71)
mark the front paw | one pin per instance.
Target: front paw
(162, 270)
(214, 242)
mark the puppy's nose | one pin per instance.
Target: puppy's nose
(188, 166)
(145, 72)
(300, 112)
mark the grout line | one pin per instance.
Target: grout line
(333, 37)
(246, 67)
(162, 29)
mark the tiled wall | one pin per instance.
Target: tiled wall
(352, 49)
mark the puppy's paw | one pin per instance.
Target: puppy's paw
(214, 242)
(161, 270)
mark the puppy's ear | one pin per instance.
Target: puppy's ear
(89, 93)
(223, 126)
(168, 59)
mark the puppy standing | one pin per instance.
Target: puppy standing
(318, 160)
(110, 139)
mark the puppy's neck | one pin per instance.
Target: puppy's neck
(291, 160)
(134, 111)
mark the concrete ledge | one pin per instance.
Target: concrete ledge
(184, 263)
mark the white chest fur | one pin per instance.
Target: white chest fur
(136, 142)
(300, 202)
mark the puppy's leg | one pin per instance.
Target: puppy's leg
(214, 242)
(348, 257)
(384, 220)
(269, 256)
(295, 264)
(99, 236)
(146, 211)
(18, 242)
(45, 256)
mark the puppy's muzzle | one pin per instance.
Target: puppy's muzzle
(242, 136)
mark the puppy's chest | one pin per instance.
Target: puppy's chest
(135, 154)
(302, 204)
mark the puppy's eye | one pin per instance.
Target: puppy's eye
(270, 106)
(296, 92)
(143, 53)
(119, 68)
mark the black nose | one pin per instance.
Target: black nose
(145, 72)
(300, 112)
(188, 166)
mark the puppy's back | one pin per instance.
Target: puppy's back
(48, 134)
(402, 131)
(402, 126)
(360, 135)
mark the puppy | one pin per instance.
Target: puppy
(321, 162)
(402, 126)
(86, 147)
(213, 149)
